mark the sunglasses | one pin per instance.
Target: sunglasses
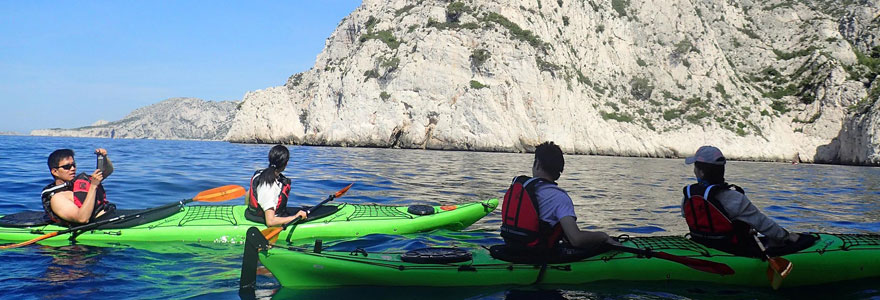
(67, 166)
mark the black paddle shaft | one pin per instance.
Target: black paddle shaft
(254, 243)
(82, 229)
(308, 211)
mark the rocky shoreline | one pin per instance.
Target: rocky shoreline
(174, 119)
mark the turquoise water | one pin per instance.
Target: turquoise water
(636, 196)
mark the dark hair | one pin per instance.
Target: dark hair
(550, 157)
(278, 157)
(712, 174)
(57, 156)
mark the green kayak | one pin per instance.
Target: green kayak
(227, 224)
(832, 258)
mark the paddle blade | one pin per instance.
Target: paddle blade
(774, 278)
(342, 191)
(25, 243)
(223, 193)
(778, 269)
(698, 264)
(271, 234)
(781, 266)
(253, 244)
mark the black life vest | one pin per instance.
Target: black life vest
(521, 224)
(706, 217)
(80, 188)
(280, 205)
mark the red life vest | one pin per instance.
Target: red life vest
(521, 222)
(80, 188)
(706, 217)
(280, 205)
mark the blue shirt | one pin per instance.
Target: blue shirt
(553, 203)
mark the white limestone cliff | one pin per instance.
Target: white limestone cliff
(770, 81)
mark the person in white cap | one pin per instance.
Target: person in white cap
(724, 218)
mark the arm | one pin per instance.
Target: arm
(582, 239)
(108, 165)
(740, 208)
(557, 205)
(63, 206)
(267, 195)
(272, 220)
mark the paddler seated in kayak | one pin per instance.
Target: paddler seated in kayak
(719, 215)
(269, 191)
(538, 216)
(75, 199)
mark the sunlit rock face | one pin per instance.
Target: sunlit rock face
(762, 80)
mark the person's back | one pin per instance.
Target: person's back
(539, 200)
(269, 192)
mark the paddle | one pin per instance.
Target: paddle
(694, 263)
(217, 194)
(254, 242)
(271, 233)
(779, 267)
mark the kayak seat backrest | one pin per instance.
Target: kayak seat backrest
(556, 255)
(25, 219)
(420, 210)
(129, 221)
(323, 211)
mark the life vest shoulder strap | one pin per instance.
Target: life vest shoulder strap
(52, 188)
(46, 197)
(283, 179)
(737, 188)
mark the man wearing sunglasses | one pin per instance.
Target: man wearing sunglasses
(75, 199)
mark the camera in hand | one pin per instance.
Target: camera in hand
(100, 164)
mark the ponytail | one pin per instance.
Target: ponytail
(278, 157)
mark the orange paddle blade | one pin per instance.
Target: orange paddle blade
(774, 278)
(222, 193)
(781, 266)
(261, 270)
(342, 191)
(271, 234)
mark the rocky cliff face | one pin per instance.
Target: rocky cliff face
(763, 80)
(175, 118)
(859, 136)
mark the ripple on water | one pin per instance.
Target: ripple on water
(637, 196)
(632, 228)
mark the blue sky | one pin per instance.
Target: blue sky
(66, 64)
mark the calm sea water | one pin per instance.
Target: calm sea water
(635, 196)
